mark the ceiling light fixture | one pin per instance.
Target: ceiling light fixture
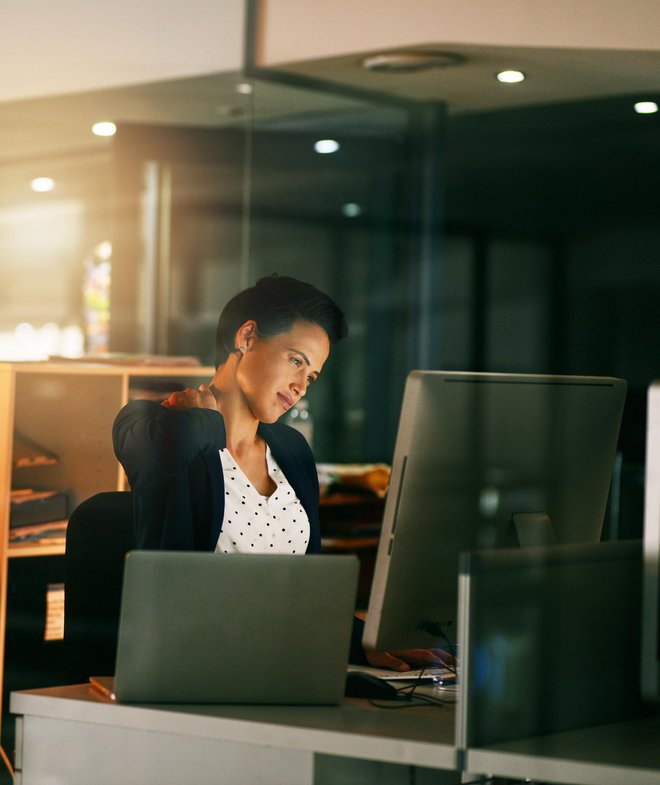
(42, 185)
(351, 209)
(104, 128)
(510, 77)
(409, 61)
(646, 107)
(325, 146)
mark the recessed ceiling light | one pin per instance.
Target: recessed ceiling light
(104, 128)
(510, 77)
(42, 184)
(351, 209)
(646, 107)
(325, 146)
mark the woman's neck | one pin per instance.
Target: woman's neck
(240, 424)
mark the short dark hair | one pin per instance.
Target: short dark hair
(275, 303)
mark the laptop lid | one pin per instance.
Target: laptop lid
(207, 628)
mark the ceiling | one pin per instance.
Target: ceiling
(570, 121)
(59, 126)
(468, 83)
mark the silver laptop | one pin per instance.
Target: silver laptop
(207, 628)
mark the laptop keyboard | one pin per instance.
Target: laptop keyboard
(426, 674)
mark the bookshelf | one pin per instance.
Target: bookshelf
(68, 409)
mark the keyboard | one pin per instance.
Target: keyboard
(426, 674)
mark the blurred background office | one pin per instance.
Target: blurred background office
(466, 218)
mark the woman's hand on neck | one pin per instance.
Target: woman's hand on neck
(201, 398)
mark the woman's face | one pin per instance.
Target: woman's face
(274, 373)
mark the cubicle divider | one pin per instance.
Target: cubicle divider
(549, 641)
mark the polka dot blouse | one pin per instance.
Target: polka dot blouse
(260, 524)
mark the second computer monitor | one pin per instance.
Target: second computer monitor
(484, 461)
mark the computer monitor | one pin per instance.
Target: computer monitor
(651, 592)
(484, 461)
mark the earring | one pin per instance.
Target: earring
(242, 349)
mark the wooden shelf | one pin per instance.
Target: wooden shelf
(68, 408)
(51, 547)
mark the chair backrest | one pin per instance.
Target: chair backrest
(99, 534)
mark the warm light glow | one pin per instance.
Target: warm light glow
(325, 146)
(510, 77)
(104, 250)
(245, 88)
(24, 331)
(646, 107)
(42, 184)
(28, 342)
(104, 128)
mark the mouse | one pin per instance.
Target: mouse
(364, 685)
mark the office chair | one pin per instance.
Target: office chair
(99, 534)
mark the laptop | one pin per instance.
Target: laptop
(241, 628)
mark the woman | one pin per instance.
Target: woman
(213, 469)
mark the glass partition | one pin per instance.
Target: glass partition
(329, 202)
(507, 239)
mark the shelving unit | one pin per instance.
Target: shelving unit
(68, 408)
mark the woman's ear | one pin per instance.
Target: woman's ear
(245, 335)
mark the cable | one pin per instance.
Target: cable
(452, 650)
(410, 702)
(7, 762)
(407, 697)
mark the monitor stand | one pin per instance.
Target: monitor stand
(534, 529)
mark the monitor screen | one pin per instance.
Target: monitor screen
(484, 461)
(651, 601)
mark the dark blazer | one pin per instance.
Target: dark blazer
(172, 462)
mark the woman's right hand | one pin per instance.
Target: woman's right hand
(408, 659)
(202, 398)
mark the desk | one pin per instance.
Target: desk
(73, 735)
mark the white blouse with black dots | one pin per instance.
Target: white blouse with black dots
(260, 524)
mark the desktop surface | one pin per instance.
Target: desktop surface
(98, 728)
(420, 735)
